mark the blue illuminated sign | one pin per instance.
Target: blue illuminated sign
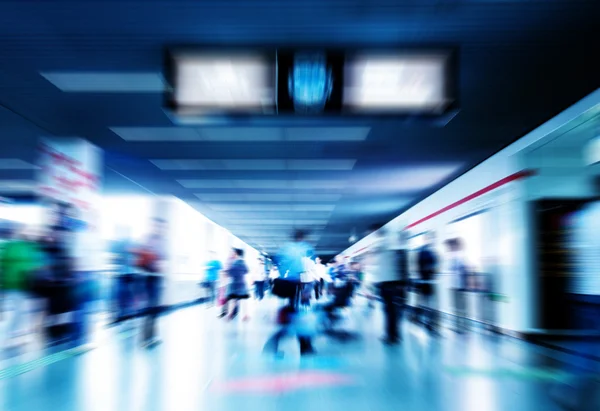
(310, 82)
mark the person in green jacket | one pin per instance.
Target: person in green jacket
(20, 259)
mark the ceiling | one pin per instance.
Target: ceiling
(92, 69)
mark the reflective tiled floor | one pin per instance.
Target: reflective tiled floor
(208, 364)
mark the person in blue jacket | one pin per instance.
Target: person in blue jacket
(291, 263)
(237, 289)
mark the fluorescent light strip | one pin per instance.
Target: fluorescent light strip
(271, 207)
(267, 232)
(406, 180)
(323, 134)
(276, 214)
(228, 134)
(156, 133)
(16, 164)
(242, 134)
(260, 165)
(104, 82)
(280, 228)
(269, 221)
(264, 184)
(268, 197)
(17, 186)
(278, 236)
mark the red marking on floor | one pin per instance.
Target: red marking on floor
(283, 383)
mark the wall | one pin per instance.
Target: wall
(508, 227)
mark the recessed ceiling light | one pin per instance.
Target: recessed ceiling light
(106, 82)
(403, 180)
(271, 207)
(15, 186)
(292, 222)
(243, 134)
(255, 164)
(264, 184)
(16, 164)
(156, 133)
(268, 197)
(322, 134)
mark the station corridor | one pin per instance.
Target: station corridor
(205, 363)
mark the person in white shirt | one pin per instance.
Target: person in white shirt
(381, 263)
(87, 254)
(320, 275)
(308, 278)
(260, 274)
(459, 270)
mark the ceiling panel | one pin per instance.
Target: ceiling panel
(271, 207)
(268, 221)
(104, 82)
(156, 133)
(16, 164)
(17, 186)
(268, 197)
(241, 134)
(265, 184)
(252, 164)
(326, 133)
(275, 214)
(252, 226)
(92, 68)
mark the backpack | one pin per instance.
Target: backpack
(147, 261)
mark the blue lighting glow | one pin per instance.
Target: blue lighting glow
(310, 82)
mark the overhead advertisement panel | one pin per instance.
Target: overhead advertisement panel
(305, 81)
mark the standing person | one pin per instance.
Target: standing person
(152, 258)
(59, 286)
(291, 262)
(460, 275)
(357, 276)
(329, 277)
(385, 275)
(403, 273)
(212, 270)
(237, 289)
(320, 273)
(308, 278)
(122, 250)
(427, 266)
(87, 264)
(261, 279)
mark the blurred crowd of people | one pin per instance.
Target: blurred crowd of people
(50, 285)
(382, 274)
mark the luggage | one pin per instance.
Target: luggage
(305, 323)
(283, 288)
(61, 297)
(222, 296)
(284, 315)
(147, 261)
